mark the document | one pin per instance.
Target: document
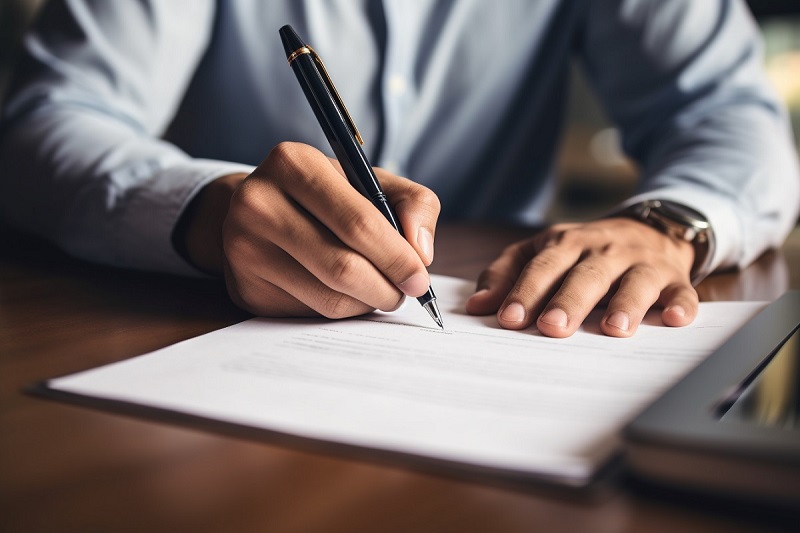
(474, 394)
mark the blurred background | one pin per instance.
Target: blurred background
(590, 148)
(593, 173)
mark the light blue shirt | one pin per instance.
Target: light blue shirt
(125, 109)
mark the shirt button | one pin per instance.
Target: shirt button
(397, 84)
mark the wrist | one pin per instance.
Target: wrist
(682, 224)
(198, 233)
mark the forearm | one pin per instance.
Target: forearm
(684, 82)
(737, 166)
(81, 156)
(98, 189)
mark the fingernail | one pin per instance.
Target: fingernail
(677, 309)
(514, 312)
(619, 320)
(425, 242)
(416, 285)
(555, 317)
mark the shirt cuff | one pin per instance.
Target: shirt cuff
(144, 236)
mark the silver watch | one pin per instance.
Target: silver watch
(680, 222)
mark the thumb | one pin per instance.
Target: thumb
(417, 209)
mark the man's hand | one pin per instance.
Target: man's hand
(557, 277)
(294, 238)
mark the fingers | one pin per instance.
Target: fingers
(625, 311)
(518, 282)
(556, 279)
(313, 183)
(299, 240)
(586, 284)
(680, 304)
(638, 290)
(288, 289)
(497, 280)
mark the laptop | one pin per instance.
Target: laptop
(731, 427)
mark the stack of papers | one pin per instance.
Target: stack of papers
(514, 402)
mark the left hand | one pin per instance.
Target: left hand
(557, 277)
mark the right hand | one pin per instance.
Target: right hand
(299, 240)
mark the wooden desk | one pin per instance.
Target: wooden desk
(67, 468)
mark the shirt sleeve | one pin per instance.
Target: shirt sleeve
(83, 163)
(684, 82)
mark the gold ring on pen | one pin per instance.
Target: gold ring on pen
(300, 51)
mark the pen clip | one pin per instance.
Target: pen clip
(331, 87)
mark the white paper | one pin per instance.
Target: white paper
(474, 393)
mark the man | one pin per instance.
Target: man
(131, 133)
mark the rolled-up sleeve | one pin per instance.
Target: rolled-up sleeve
(81, 156)
(684, 82)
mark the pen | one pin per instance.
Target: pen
(342, 134)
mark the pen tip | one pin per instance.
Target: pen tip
(433, 310)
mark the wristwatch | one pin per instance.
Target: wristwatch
(680, 222)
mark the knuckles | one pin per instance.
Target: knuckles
(237, 247)
(344, 271)
(286, 166)
(250, 199)
(337, 306)
(289, 156)
(362, 226)
(592, 272)
(406, 194)
(426, 199)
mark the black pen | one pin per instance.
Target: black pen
(342, 134)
